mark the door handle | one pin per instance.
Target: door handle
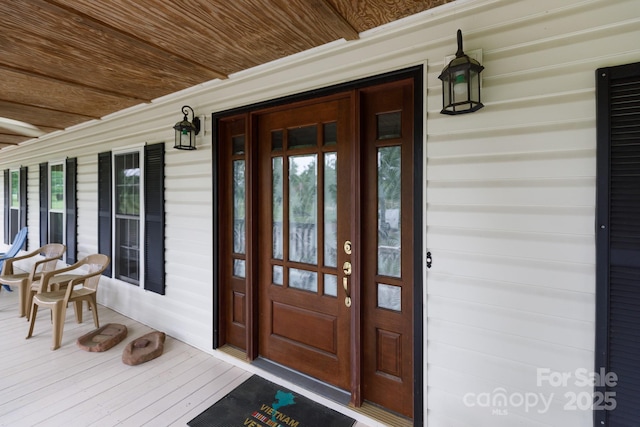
(345, 285)
(346, 269)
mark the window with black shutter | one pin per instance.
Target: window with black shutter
(120, 234)
(58, 201)
(15, 202)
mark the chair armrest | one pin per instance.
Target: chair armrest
(46, 277)
(77, 281)
(8, 268)
(25, 256)
(34, 269)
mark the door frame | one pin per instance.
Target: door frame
(417, 74)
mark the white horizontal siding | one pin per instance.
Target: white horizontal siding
(509, 191)
(511, 210)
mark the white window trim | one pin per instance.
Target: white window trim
(63, 211)
(114, 154)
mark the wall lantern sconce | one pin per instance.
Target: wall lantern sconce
(461, 83)
(186, 131)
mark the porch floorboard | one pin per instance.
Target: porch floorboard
(69, 386)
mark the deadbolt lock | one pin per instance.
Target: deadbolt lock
(347, 247)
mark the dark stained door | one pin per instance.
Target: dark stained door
(304, 204)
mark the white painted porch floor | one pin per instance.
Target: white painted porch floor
(72, 387)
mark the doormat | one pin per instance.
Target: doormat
(260, 403)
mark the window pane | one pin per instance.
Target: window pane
(56, 227)
(15, 189)
(330, 209)
(303, 137)
(303, 279)
(389, 125)
(56, 179)
(127, 209)
(303, 209)
(389, 214)
(238, 207)
(277, 202)
(128, 249)
(128, 184)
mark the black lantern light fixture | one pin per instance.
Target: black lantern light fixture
(186, 131)
(461, 83)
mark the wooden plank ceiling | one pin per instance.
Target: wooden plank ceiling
(64, 62)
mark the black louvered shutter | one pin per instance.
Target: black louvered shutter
(104, 208)
(7, 203)
(44, 203)
(154, 274)
(618, 242)
(71, 201)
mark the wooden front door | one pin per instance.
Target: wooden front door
(304, 209)
(328, 214)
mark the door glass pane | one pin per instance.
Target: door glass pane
(239, 268)
(389, 214)
(277, 209)
(303, 208)
(237, 143)
(331, 285)
(278, 275)
(306, 136)
(390, 297)
(276, 140)
(389, 125)
(303, 279)
(330, 209)
(330, 131)
(238, 207)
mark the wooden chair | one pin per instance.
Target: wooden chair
(51, 253)
(81, 288)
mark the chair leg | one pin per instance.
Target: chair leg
(22, 293)
(78, 309)
(59, 313)
(32, 319)
(94, 309)
(29, 302)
